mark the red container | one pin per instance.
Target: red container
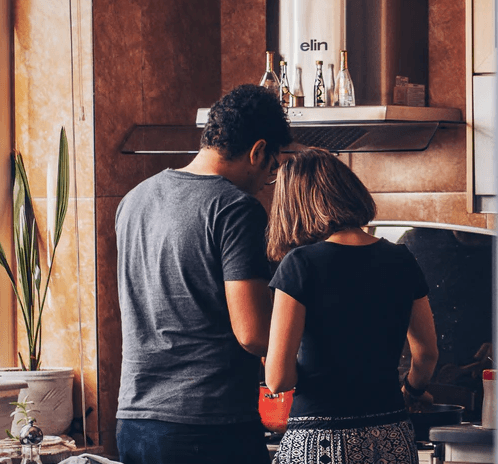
(274, 409)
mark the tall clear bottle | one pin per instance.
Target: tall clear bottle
(319, 87)
(297, 97)
(284, 89)
(344, 89)
(270, 79)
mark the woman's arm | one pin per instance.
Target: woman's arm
(286, 331)
(423, 345)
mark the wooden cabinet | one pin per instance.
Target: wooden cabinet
(481, 41)
(484, 36)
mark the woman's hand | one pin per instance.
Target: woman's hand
(419, 403)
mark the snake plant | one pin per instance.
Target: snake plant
(28, 287)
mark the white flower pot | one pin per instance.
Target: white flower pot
(51, 391)
(9, 392)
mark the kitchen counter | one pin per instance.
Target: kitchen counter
(466, 442)
(462, 433)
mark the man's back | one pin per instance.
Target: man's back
(180, 236)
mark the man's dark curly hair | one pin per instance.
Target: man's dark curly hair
(242, 117)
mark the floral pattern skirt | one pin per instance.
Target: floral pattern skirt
(380, 444)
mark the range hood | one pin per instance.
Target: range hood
(382, 128)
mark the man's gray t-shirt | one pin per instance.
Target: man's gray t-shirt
(180, 236)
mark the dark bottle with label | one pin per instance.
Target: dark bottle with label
(319, 87)
(284, 91)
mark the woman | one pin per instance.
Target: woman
(345, 302)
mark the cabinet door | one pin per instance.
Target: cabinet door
(484, 36)
(484, 134)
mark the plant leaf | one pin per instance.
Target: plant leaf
(23, 366)
(4, 263)
(25, 245)
(62, 186)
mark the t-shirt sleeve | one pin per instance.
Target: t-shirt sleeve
(243, 244)
(291, 277)
(420, 288)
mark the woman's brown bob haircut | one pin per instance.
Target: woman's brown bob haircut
(315, 196)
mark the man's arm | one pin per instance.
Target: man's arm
(249, 305)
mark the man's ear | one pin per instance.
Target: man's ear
(257, 153)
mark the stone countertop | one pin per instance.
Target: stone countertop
(462, 433)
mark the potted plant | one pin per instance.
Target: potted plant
(30, 288)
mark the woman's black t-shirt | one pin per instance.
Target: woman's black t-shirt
(358, 303)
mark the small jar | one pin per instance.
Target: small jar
(489, 399)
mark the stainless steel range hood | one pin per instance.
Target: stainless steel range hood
(383, 128)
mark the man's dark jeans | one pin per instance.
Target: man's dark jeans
(142, 441)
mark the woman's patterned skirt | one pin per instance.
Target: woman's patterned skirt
(309, 441)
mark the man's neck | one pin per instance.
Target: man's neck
(209, 162)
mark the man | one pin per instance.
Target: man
(193, 292)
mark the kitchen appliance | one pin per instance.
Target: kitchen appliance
(380, 128)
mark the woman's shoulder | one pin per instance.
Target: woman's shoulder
(395, 250)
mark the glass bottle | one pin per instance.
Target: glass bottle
(319, 87)
(31, 454)
(297, 96)
(330, 86)
(284, 91)
(270, 79)
(344, 89)
(30, 437)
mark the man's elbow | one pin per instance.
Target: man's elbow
(254, 346)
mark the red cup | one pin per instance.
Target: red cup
(274, 409)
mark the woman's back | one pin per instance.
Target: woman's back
(358, 303)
